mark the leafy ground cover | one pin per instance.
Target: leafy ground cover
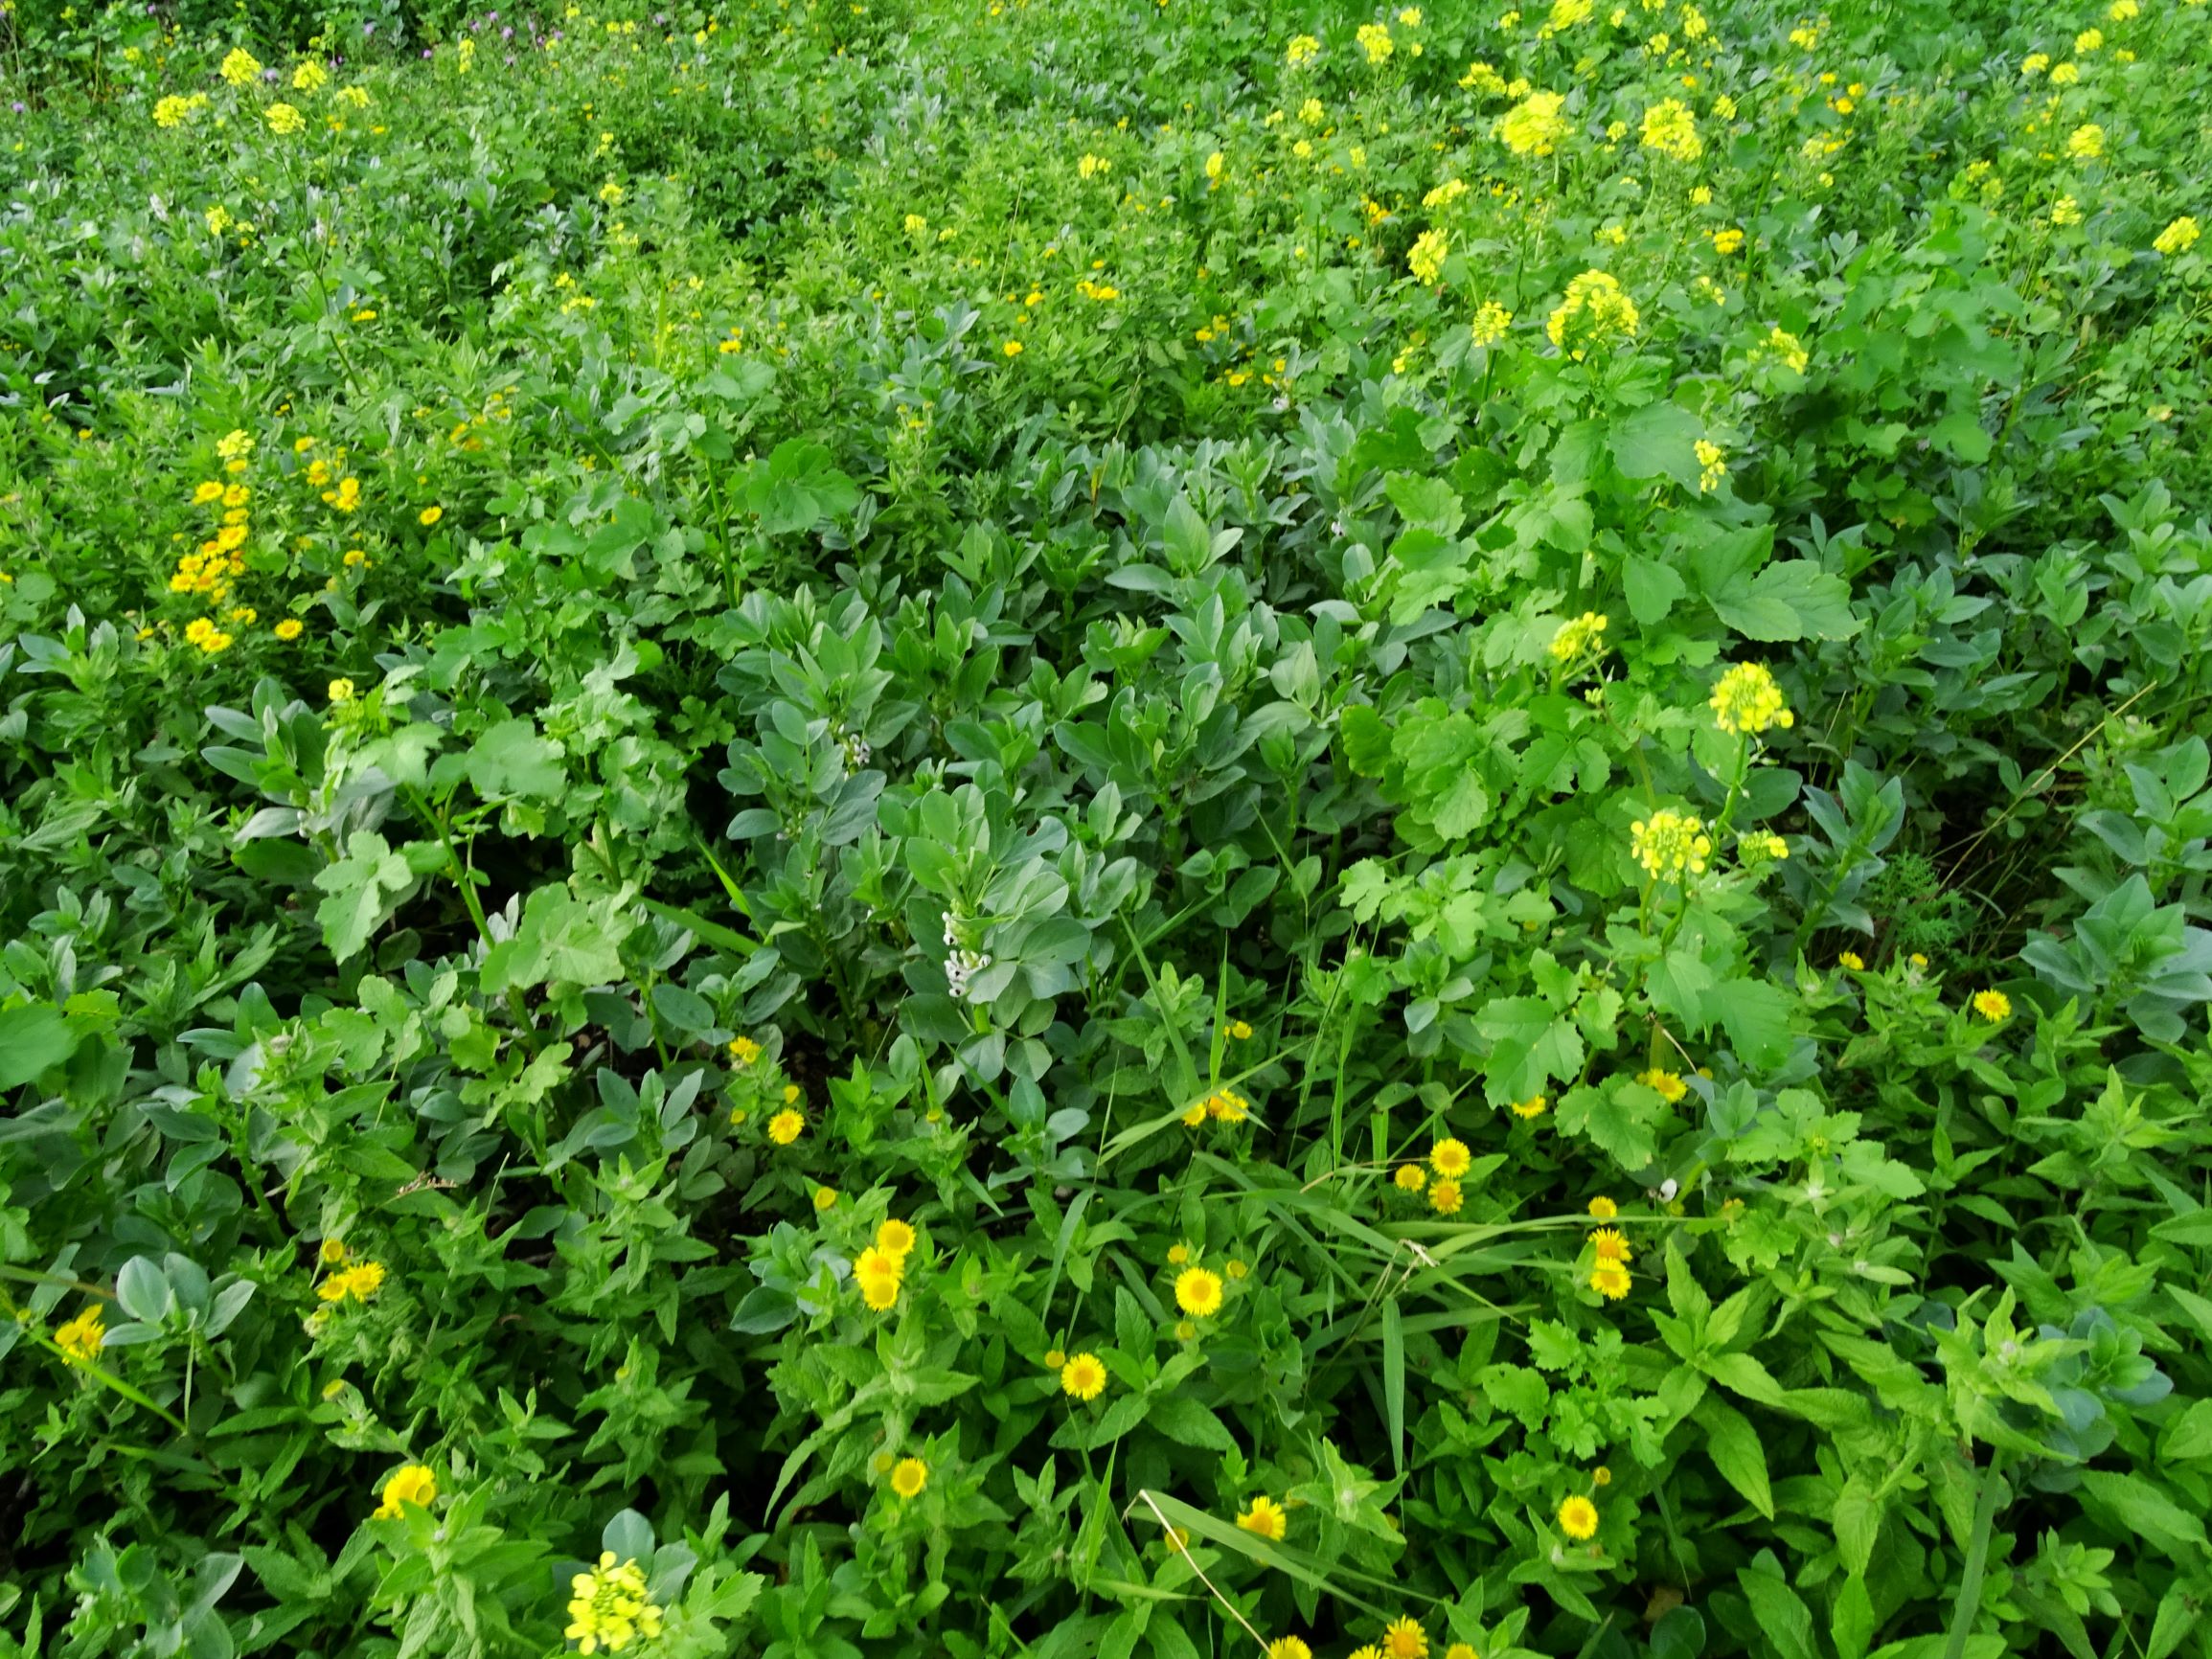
(1065, 829)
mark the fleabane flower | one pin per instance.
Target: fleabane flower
(1265, 1517)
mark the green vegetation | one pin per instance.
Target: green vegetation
(1075, 829)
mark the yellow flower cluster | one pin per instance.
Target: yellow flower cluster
(2177, 238)
(1491, 321)
(1669, 844)
(240, 67)
(1425, 258)
(359, 1281)
(1670, 131)
(1303, 48)
(1594, 310)
(881, 1267)
(176, 111)
(285, 119)
(1745, 699)
(1787, 349)
(2087, 142)
(1713, 464)
(608, 1607)
(1534, 126)
(1375, 40)
(1583, 633)
(201, 631)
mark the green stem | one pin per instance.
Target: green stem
(1985, 1513)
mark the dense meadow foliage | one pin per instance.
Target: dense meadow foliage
(1065, 827)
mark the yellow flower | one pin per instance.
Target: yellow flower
(1404, 1640)
(1444, 1197)
(1745, 699)
(2066, 211)
(2087, 142)
(1713, 460)
(1669, 845)
(285, 121)
(2088, 40)
(1375, 40)
(1993, 1006)
(1534, 126)
(1450, 1157)
(1178, 1254)
(1611, 1245)
(1198, 1292)
(1013, 348)
(1425, 258)
(1410, 1178)
(1584, 632)
(1288, 1648)
(1490, 324)
(80, 1339)
(1664, 1083)
(1240, 1031)
(240, 66)
(745, 1051)
(2177, 238)
(1577, 1518)
(415, 1484)
(1457, 1650)
(1531, 1107)
(1214, 166)
(429, 515)
(1672, 131)
(1610, 1280)
(310, 76)
(895, 1239)
(1788, 348)
(1593, 311)
(2065, 75)
(909, 1476)
(291, 628)
(608, 1607)
(1303, 48)
(1228, 1105)
(785, 1127)
(1266, 1517)
(824, 1199)
(1728, 241)
(341, 692)
(611, 193)
(2035, 63)
(1083, 1377)
(1601, 1476)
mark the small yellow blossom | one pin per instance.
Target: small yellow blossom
(1198, 1292)
(1266, 1517)
(785, 1127)
(1993, 1006)
(414, 1483)
(909, 1476)
(1577, 1518)
(1083, 1377)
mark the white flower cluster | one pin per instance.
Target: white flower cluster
(962, 966)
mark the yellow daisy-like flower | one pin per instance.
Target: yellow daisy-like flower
(1993, 1006)
(1266, 1517)
(824, 1199)
(290, 630)
(1457, 1650)
(785, 1127)
(1404, 1640)
(1577, 1518)
(895, 1239)
(1011, 347)
(1240, 1031)
(1604, 1209)
(341, 692)
(1531, 1107)
(1178, 1254)
(1288, 1648)
(1198, 1292)
(909, 1476)
(1666, 1084)
(1852, 959)
(1444, 1197)
(1083, 1377)
(1610, 1280)
(1450, 1157)
(745, 1051)
(1410, 1178)
(80, 1339)
(1611, 1245)
(415, 1484)
(429, 515)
